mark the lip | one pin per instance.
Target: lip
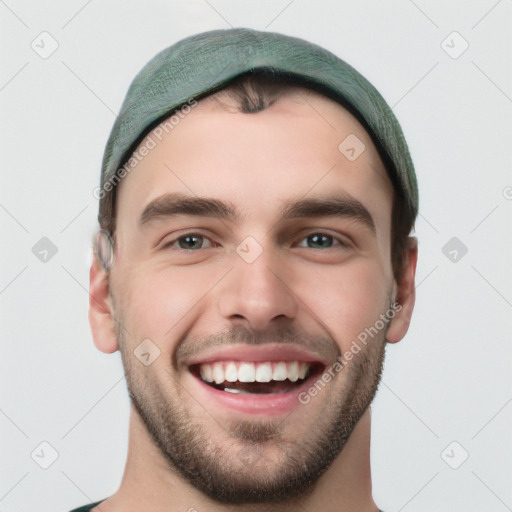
(272, 352)
(272, 404)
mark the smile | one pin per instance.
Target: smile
(260, 377)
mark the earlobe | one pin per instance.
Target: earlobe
(405, 295)
(101, 317)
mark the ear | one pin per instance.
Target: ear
(405, 295)
(101, 316)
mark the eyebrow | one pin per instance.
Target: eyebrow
(339, 205)
(170, 205)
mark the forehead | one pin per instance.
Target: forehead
(303, 143)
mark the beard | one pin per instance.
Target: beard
(259, 463)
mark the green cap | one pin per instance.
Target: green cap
(207, 62)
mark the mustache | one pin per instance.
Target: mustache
(193, 346)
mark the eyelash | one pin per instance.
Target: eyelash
(340, 243)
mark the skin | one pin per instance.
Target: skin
(184, 300)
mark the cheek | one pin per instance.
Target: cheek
(163, 304)
(159, 303)
(347, 299)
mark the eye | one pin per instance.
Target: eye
(321, 241)
(189, 242)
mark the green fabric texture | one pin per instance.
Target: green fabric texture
(203, 63)
(87, 508)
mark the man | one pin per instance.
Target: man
(256, 204)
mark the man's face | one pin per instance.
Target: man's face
(233, 297)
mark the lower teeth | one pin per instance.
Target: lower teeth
(243, 392)
(254, 388)
(240, 391)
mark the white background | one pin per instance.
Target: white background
(448, 380)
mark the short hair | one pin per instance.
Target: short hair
(258, 90)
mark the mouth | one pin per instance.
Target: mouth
(267, 379)
(256, 378)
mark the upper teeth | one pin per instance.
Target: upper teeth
(232, 371)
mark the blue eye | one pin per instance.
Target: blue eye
(194, 242)
(321, 241)
(189, 242)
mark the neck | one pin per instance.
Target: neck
(150, 484)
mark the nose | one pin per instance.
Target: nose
(257, 294)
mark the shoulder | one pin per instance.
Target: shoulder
(86, 508)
